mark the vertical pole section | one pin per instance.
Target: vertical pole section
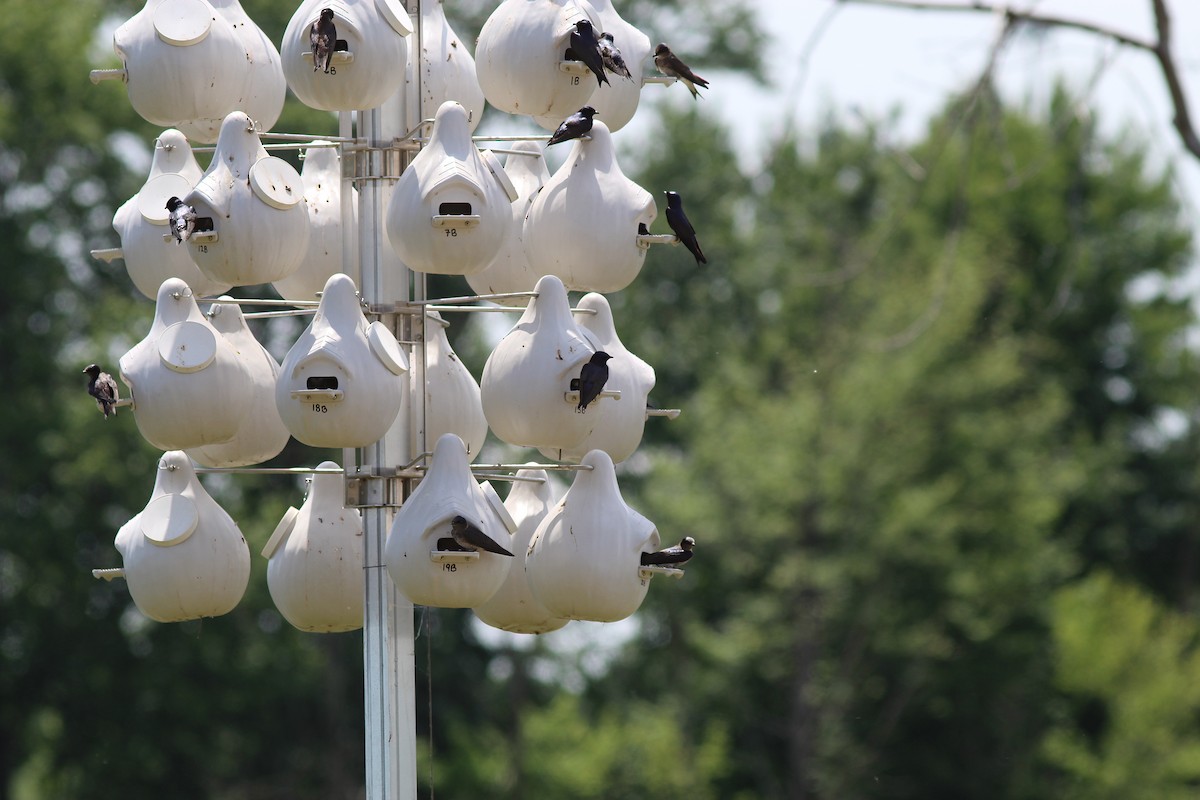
(388, 646)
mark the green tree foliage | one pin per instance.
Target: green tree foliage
(924, 390)
(923, 387)
(1130, 672)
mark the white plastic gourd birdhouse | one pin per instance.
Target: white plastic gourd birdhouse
(342, 383)
(583, 226)
(251, 220)
(616, 101)
(324, 256)
(423, 557)
(183, 556)
(446, 66)
(452, 402)
(188, 385)
(260, 434)
(521, 58)
(509, 270)
(527, 380)
(451, 207)
(315, 560)
(619, 431)
(584, 561)
(513, 607)
(367, 64)
(141, 222)
(190, 63)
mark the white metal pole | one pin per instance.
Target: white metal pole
(388, 636)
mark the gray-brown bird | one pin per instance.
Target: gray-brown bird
(468, 537)
(672, 66)
(182, 219)
(322, 36)
(672, 556)
(610, 54)
(102, 387)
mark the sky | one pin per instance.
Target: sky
(859, 59)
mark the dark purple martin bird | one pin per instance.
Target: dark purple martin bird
(182, 219)
(592, 378)
(102, 387)
(468, 537)
(611, 56)
(682, 227)
(670, 65)
(323, 38)
(573, 126)
(672, 556)
(586, 47)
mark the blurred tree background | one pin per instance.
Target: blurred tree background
(937, 450)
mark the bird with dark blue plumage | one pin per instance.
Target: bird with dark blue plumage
(683, 227)
(586, 47)
(672, 556)
(592, 378)
(573, 126)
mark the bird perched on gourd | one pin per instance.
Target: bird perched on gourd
(102, 387)
(671, 556)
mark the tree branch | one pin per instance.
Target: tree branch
(1160, 49)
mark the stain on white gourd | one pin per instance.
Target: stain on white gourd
(509, 270)
(518, 55)
(585, 557)
(261, 434)
(449, 211)
(372, 67)
(322, 178)
(583, 224)
(528, 374)
(189, 387)
(448, 490)
(619, 431)
(452, 401)
(315, 560)
(183, 556)
(142, 221)
(343, 381)
(447, 68)
(513, 607)
(190, 63)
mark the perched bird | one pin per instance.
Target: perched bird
(468, 537)
(672, 556)
(102, 387)
(682, 227)
(574, 126)
(586, 47)
(669, 64)
(592, 378)
(323, 38)
(611, 56)
(182, 219)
